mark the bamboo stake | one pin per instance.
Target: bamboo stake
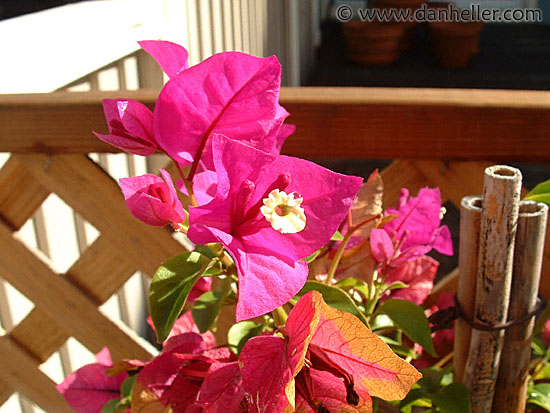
(511, 387)
(470, 217)
(501, 192)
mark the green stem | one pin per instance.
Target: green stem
(338, 256)
(342, 247)
(188, 186)
(280, 316)
(541, 364)
(444, 360)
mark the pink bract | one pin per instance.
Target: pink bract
(174, 378)
(130, 126)
(268, 262)
(90, 387)
(231, 93)
(172, 57)
(418, 274)
(346, 364)
(222, 390)
(418, 224)
(153, 199)
(185, 324)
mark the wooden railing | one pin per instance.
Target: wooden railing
(441, 138)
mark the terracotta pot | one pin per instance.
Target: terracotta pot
(372, 43)
(455, 43)
(398, 4)
(409, 37)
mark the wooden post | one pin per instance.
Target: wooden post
(470, 217)
(501, 193)
(511, 388)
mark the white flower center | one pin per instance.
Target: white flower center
(284, 212)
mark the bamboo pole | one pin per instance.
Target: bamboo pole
(511, 388)
(501, 193)
(470, 217)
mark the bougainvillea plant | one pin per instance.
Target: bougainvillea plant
(327, 285)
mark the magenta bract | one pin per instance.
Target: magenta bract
(153, 199)
(418, 224)
(130, 126)
(90, 387)
(418, 274)
(335, 361)
(170, 56)
(231, 93)
(268, 262)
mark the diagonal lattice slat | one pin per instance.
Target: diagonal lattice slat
(99, 272)
(98, 275)
(21, 194)
(62, 301)
(21, 371)
(96, 196)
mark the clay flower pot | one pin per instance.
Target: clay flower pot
(398, 4)
(409, 36)
(373, 43)
(455, 43)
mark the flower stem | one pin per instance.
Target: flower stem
(342, 247)
(338, 256)
(188, 186)
(280, 316)
(444, 360)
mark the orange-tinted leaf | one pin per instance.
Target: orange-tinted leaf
(328, 391)
(300, 326)
(368, 201)
(222, 390)
(269, 363)
(341, 340)
(171, 380)
(267, 377)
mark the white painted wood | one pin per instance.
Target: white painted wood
(56, 46)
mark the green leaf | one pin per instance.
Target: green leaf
(382, 321)
(127, 386)
(431, 379)
(397, 285)
(337, 236)
(540, 193)
(206, 310)
(335, 298)
(542, 188)
(539, 395)
(453, 398)
(171, 286)
(544, 198)
(312, 257)
(355, 284)
(411, 319)
(239, 334)
(413, 395)
(111, 406)
(544, 373)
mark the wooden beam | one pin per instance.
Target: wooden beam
(375, 123)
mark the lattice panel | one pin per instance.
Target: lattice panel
(67, 305)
